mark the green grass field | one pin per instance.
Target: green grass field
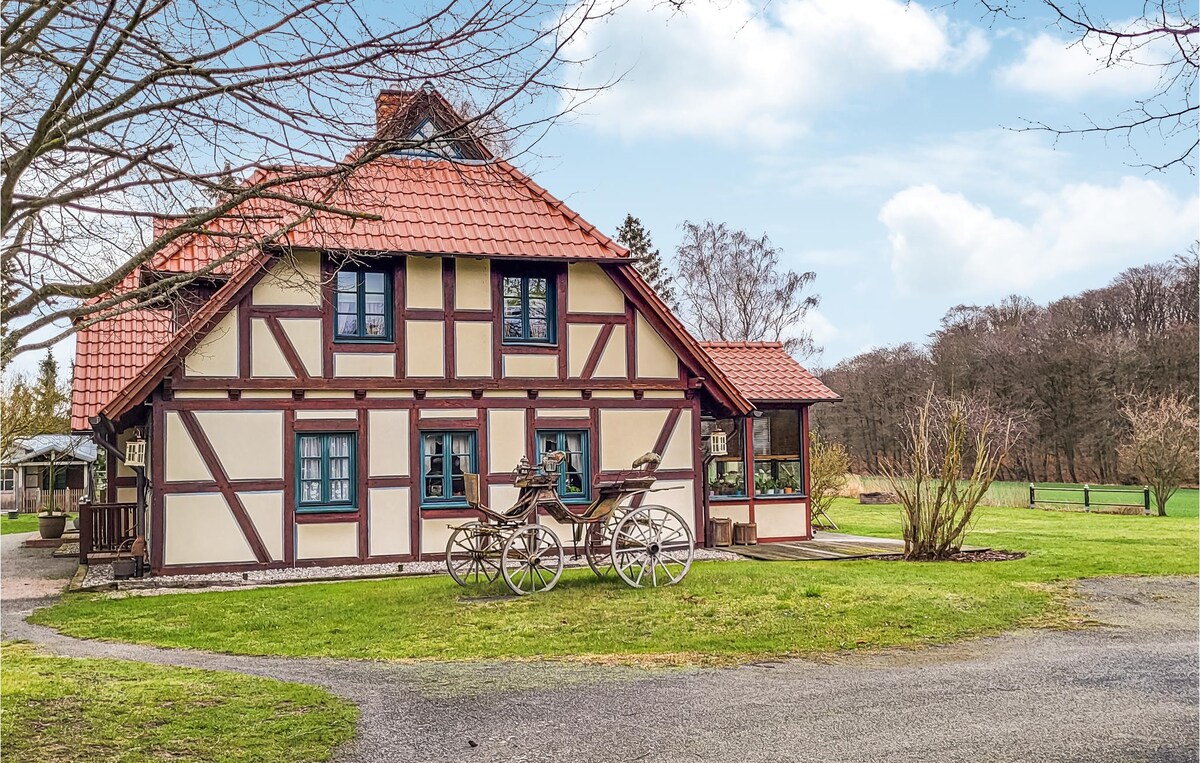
(1184, 503)
(723, 612)
(24, 523)
(63, 710)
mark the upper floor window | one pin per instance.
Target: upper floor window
(574, 481)
(363, 306)
(528, 309)
(326, 471)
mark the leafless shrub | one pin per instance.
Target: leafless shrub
(1161, 449)
(828, 471)
(955, 447)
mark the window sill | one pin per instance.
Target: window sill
(448, 506)
(543, 345)
(719, 498)
(326, 509)
(782, 497)
(363, 340)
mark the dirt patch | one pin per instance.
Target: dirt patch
(985, 555)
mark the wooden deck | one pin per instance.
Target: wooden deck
(826, 547)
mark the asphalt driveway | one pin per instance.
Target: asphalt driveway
(1122, 691)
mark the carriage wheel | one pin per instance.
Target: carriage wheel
(471, 555)
(652, 546)
(598, 544)
(532, 560)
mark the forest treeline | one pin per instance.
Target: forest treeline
(1062, 370)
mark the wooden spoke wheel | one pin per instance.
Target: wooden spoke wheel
(532, 560)
(652, 546)
(598, 544)
(472, 554)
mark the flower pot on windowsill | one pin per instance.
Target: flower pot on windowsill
(52, 525)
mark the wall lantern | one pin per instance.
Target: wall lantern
(135, 450)
(718, 444)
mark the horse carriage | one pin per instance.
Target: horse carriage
(643, 545)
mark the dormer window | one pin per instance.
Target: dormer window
(363, 306)
(528, 309)
(427, 143)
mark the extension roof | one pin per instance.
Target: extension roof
(764, 372)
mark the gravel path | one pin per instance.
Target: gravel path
(1124, 691)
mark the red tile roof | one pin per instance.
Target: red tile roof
(765, 372)
(410, 206)
(109, 355)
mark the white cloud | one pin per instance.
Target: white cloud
(944, 243)
(737, 71)
(1057, 68)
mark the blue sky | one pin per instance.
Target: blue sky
(868, 139)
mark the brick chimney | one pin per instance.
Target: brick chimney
(387, 105)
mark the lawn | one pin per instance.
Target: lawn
(24, 523)
(63, 710)
(723, 612)
(1184, 503)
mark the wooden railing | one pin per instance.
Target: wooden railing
(103, 527)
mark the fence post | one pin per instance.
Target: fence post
(1087, 501)
(85, 531)
(1146, 499)
(1032, 496)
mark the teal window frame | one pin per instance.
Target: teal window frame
(526, 337)
(585, 457)
(360, 297)
(326, 505)
(446, 499)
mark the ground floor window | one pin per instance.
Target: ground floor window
(727, 474)
(326, 469)
(574, 480)
(777, 445)
(8, 479)
(445, 458)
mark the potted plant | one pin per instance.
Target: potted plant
(789, 482)
(52, 522)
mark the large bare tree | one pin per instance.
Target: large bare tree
(1161, 445)
(733, 288)
(1159, 127)
(132, 123)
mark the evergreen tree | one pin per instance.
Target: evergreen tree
(648, 260)
(51, 399)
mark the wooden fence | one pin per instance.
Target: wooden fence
(31, 500)
(103, 527)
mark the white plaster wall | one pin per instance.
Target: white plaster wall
(389, 515)
(338, 413)
(780, 520)
(563, 413)
(266, 513)
(249, 444)
(182, 462)
(590, 290)
(306, 336)
(217, 353)
(679, 495)
(627, 434)
(734, 511)
(266, 358)
(327, 540)
(423, 289)
(364, 364)
(425, 348)
(435, 533)
(580, 339)
(387, 438)
(472, 284)
(655, 359)
(680, 452)
(292, 281)
(613, 362)
(530, 366)
(506, 439)
(199, 528)
(472, 349)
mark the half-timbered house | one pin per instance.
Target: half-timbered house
(318, 402)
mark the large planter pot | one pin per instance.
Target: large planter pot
(52, 525)
(75, 524)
